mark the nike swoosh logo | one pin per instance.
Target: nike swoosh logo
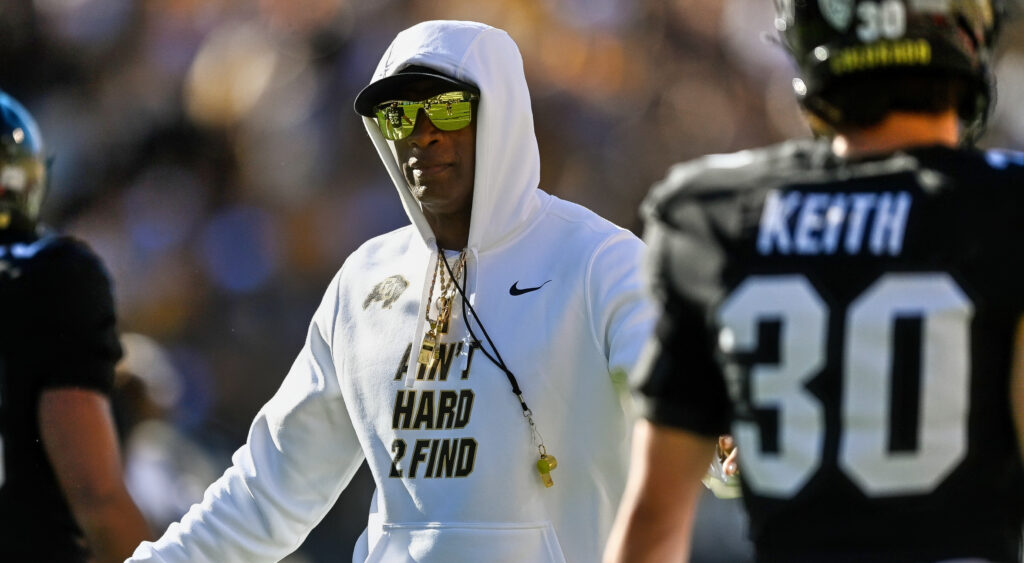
(514, 290)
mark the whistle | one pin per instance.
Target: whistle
(544, 466)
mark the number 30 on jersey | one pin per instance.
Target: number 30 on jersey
(945, 315)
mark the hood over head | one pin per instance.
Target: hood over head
(507, 157)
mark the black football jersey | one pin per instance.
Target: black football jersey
(851, 323)
(57, 330)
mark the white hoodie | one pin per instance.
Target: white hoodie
(451, 452)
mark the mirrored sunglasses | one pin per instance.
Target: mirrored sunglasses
(450, 111)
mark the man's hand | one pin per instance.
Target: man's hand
(722, 476)
(727, 455)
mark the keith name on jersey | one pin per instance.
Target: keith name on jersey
(822, 223)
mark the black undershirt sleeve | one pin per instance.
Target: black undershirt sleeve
(677, 381)
(78, 307)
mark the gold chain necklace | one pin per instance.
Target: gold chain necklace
(429, 351)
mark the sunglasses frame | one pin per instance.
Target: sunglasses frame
(390, 115)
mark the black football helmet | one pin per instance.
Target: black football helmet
(832, 40)
(22, 166)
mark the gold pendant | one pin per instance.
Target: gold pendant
(428, 350)
(444, 312)
(439, 327)
(544, 466)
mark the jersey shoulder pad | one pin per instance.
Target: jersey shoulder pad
(719, 175)
(61, 257)
(1004, 159)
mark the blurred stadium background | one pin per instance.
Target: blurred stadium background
(208, 151)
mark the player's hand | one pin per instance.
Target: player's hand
(722, 477)
(728, 455)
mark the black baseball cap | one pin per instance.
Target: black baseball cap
(389, 87)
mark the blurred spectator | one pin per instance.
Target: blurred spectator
(166, 471)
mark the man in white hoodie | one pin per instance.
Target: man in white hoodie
(468, 357)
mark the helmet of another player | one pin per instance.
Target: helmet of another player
(22, 166)
(840, 44)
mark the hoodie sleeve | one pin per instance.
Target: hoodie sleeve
(300, 454)
(622, 315)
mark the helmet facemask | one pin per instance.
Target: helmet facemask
(23, 169)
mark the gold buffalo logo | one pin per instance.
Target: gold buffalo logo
(386, 292)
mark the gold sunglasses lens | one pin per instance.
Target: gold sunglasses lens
(395, 120)
(448, 112)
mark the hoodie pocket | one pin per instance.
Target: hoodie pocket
(455, 542)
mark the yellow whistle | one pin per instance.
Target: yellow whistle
(544, 466)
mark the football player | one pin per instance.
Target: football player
(61, 493)
(848, 307)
